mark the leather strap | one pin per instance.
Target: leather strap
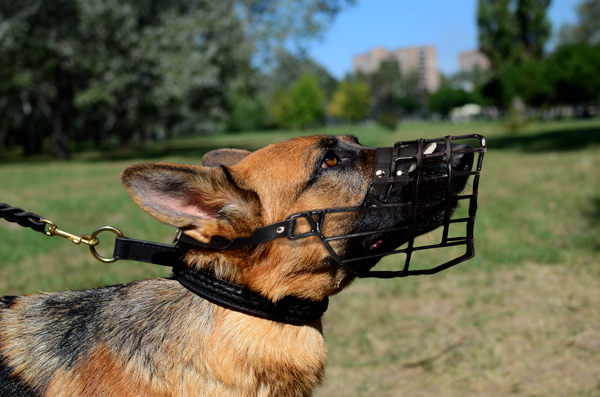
(383, 166)
(289, 309)
(148, 252)
(208, 286)
(270, 232)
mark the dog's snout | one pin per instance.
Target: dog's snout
(461, 161)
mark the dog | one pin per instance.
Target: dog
(156, 338)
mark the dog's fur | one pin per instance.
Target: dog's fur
(154, 337)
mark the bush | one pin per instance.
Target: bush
(445, 99)
(307, 102)
(302, 106)
(247, 114)
(350, 101)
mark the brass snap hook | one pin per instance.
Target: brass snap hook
(53, 230)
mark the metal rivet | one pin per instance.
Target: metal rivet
(280, 229)
(380, 173)
(399, 173)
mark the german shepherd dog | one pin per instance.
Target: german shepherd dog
(156, 338)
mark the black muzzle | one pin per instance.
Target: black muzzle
(418, 187)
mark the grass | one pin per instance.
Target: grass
(522, 318)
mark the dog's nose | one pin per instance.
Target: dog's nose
(461, 161)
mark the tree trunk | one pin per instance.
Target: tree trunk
(59, 141)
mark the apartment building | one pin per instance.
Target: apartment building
(422, 59)
(468, 61)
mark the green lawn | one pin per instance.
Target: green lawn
(522, 318)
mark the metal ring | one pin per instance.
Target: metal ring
(93, 248)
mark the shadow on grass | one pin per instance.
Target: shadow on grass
(193, 149)
(153, 151)
(556, 140)
(592, 215)
(551, 141)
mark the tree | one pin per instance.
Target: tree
(587, 28)
(533, 28)
(281, 111)
(247, 114)
(81, 70)
(393, 94)
(350, 101)
(118, 67)
(496, 31)
(529, 81)
(300, 106)
(287, 24)
(289, 67)
(512, 31)
(307, 102)
(446, 98)
(573, 71)
(39, 72)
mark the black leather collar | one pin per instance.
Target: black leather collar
(208, 286)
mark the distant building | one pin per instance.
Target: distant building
(468, 61)
(369, 62)
(423, 60)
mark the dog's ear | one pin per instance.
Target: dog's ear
(227, 157)
(203, 201)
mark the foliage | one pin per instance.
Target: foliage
(307, 99)
(495, 24)
(567, 77)
(290, 67)
(270, 23)
(513, 34)
(119, 67)
(529, 81)
(385, 83)
(408, 103)
(247, 114)
(281, 110)
(573, 71)
(446, 98)
(533, 28)
(301, 106)
(512, 31)
(587, 28)
(82, 70)
(393, 94)
(350, 101)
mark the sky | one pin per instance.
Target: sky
(449, 25)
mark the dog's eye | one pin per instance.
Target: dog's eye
(330, 161)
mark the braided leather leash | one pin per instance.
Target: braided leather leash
(22, 217)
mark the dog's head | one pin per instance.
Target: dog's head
(236, 192)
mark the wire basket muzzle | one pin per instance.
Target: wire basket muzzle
(423, 198)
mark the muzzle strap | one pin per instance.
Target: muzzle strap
(270, 232)
(383, 166)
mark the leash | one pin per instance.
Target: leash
(200, 282)
(48, 228)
